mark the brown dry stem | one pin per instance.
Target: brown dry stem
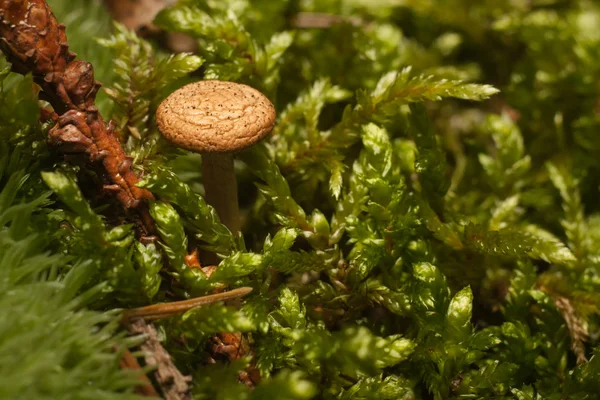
(34, 42)
(577, 330)
(145, 388)
(157, 311)
(173, 384)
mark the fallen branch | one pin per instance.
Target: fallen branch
(173, 384)
(34, 42)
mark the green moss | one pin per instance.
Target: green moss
(422, 222)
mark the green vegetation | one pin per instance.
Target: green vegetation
(423, 222)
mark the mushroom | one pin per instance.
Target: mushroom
(217, 119)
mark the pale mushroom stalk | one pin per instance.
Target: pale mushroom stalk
(217, 119)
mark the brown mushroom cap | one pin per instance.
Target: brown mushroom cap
(215, 116)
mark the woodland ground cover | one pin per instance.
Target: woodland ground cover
(423, 221)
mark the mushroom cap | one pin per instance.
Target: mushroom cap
(215, 117)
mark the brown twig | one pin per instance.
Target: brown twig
(157, 311)
(34, 41)
(577, 330)
(145, 388)
(231, 345)
(173, 384)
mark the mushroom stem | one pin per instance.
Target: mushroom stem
(220, 186)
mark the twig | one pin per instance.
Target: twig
(173, 384)
(577, 330)
(34, 41)
(164, 310)
(231, 345)
(145, 388)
